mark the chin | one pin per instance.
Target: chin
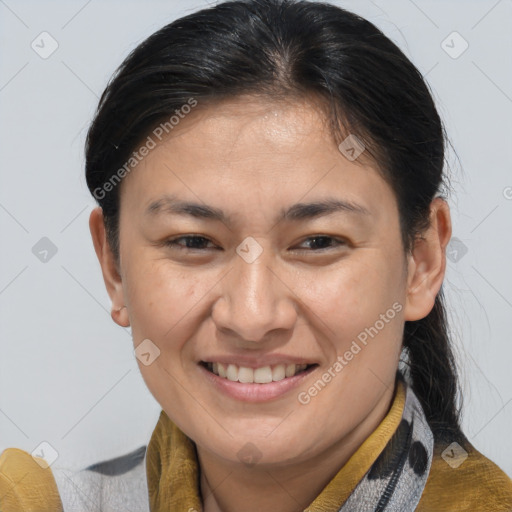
(258, 448)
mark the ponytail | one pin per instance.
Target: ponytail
(431, 371)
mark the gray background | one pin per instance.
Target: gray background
(68, 375)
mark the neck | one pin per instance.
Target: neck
(233, 486)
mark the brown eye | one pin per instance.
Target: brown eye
(322, 242)
(193, 242)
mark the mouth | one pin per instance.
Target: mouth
(261, 375)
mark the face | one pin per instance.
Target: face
(253, 284)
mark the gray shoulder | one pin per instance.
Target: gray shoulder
(113, 485)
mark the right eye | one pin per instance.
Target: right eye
(193, 242)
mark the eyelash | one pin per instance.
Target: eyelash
(173, 242)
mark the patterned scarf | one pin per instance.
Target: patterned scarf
(396, 480)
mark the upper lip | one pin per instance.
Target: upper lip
(257, 362)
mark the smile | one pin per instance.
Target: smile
(262, 375)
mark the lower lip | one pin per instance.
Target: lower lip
(252, 392)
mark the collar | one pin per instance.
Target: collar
(387, 472)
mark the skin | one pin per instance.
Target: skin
(252, 157)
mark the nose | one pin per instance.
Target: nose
(254, 301)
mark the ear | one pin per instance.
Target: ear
(427, 263)
(111, 276)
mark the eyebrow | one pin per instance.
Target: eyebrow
(295, 213)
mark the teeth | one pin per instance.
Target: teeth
(245, 374)
(290, 370)
(262, 375)
(278, 372)
(221, 371)
(232, 372)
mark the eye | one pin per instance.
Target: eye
(193, 242)
(325, 242)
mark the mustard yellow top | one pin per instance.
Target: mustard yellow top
(173, 475)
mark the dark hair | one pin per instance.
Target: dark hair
(283, 49)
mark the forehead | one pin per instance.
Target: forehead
(253, 149)
(247, 125)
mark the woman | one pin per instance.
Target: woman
(271, 226)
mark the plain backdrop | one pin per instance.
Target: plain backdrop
(68, 375)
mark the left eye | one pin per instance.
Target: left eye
(198, 242)
(323, 240)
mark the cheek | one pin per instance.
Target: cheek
(160, 298)
(355, 294)
(361, 304)
(163, 308)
